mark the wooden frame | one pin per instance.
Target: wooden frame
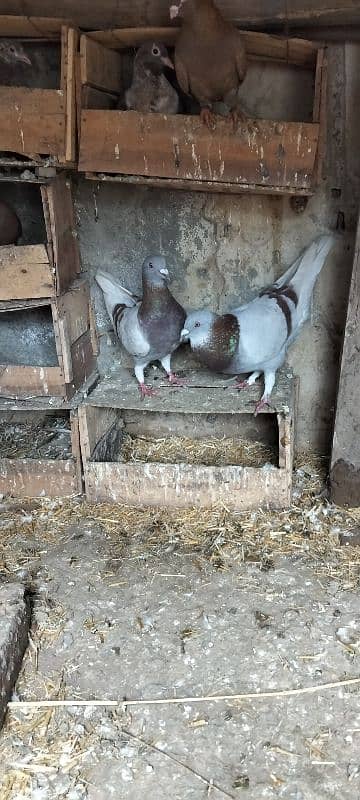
(39, 270)
(40, 124)
(75, 339)
(43, 477)
(184, 485)
(345, 456)
(180, 152)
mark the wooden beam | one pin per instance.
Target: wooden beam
(248, 13)
(345, 459)
(258, 45)
(180, 147)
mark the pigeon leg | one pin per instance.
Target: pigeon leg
(172, 378)
(145, 391)
(208, 118)
(265, 399)
(249, 381)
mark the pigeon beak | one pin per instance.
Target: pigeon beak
(167, 62)
(25, 59)
(174, 11)
(184, 333)
(164, 272)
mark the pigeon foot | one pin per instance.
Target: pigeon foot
(175, 381)
(265, 401)
(146, 391)
(208, 118)
(241, 385)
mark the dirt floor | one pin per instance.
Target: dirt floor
(132, 604)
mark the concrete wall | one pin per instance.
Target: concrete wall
(221, 249)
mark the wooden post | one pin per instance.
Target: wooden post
(345, 460)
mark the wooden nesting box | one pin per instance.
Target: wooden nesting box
(54, 341)
(39, 473)
(46, 269)
(38, 124)
(208, 404)
(178, 151)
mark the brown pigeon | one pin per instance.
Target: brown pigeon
(10, 225)
(150, 90)
(210, 57)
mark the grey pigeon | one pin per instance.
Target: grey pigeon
(150, 90)
(149, 329)
(12, 52)
(10, 225)
(255, 337)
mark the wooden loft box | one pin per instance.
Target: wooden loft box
(38, 473)
(178, 151)
(38, 119)
(47, 346)
(115, 409)
(46, 268)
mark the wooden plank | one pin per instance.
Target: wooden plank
(181, 147)
(25, 272)
(83, 361)
(252, 13)
(22, 477)
(74, 307)
(68, 58)
(17, 381)
(186, 485)
(206, 393)
(63, 233)
(99, 66)
(75, 447)
(21, 305)
(94, 424)
(197, 186)
(32, 120)
(258, 45)
(31, 27)
(345, 459)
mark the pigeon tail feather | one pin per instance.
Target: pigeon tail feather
(114, 293)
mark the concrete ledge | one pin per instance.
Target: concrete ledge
(14, 627)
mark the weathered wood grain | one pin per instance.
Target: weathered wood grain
(187, 485)
(258, 45)
(32, 120)
(252, 13)
(181, 147)
(25, 271)
(100, 67)
(38, 477)
(345, 459)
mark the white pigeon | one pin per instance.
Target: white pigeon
(148, 328)
(254, 338)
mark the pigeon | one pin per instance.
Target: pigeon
(10, 225)
(12, 52)
(148, 328)
(150, 90)
(255, 337)
(210, 58)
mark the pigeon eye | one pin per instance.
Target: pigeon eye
(155, 51)
(150, 265)
(197, 325)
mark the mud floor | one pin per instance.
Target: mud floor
(147, 604)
